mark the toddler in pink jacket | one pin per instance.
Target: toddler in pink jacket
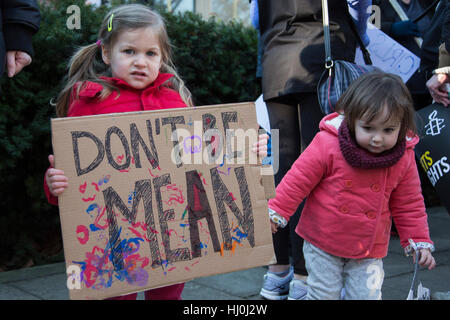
(358, 174)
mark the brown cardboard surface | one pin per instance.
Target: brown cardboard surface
(148, 205)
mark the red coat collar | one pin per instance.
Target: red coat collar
(160, 80)
(91, 88)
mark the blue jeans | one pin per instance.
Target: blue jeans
(328, 274)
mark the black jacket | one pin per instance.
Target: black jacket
(438, 33)
(19, 20)
(389, 16)
(293, 44)
(446, 26)
(416, 83)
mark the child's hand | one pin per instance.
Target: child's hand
(273, 226)
(260, 147)
(56, 181)
(426, 259)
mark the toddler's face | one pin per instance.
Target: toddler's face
(377, 135)
(135, 57)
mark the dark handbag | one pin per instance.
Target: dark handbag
(338, 74)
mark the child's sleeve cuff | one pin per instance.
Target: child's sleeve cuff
(409, 249)
(277, 218)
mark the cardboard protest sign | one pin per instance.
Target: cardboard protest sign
(388, 55)
(433, 149)
(160, 197)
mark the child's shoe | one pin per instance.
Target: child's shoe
(297, 289)
(276, 287)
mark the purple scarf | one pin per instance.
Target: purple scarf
(360, 158)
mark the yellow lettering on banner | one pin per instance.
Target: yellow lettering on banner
(426, 161)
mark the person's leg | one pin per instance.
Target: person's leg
(298, 286)
(325, 277)
(363, 279)
(172, 292)
(131, 296)
(283, 116)
(298, 261)
(310, 116)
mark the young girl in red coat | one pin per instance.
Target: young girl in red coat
(133, 43)
(358, 173)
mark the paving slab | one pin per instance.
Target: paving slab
(48, 282)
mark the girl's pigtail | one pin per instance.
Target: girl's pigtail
(178, 84)
(81, 68)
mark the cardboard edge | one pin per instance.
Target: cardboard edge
(268, 181)
(171, 110)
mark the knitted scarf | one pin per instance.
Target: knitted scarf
(358, 157)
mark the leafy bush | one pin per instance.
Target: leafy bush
(217, 61)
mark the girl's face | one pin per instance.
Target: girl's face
(377, 135)
(135, 57)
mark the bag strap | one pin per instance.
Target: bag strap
(426, 11)
(326, 33)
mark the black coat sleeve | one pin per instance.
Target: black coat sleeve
(446, 26)
(20, 21)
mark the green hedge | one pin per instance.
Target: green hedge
(217, 61)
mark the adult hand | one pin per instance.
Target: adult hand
(16, 61)
(436, 86)
(404, 29)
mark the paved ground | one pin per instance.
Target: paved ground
(48, 282)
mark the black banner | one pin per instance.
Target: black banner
(433, 149)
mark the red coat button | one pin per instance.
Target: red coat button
(371, 214)
(344, 209)
(375, 187)
(348, 183)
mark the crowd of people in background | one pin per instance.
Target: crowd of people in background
(290, 60)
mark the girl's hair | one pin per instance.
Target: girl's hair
(82, 65)
(367, 97)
